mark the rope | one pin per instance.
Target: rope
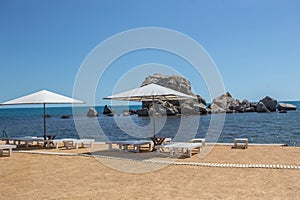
(200, 164)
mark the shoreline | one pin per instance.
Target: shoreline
(230, 144)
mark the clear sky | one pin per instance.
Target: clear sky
(255, 44)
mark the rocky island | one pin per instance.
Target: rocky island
(222, 104)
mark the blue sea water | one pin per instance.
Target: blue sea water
(257, 127)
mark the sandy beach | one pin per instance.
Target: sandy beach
(35, 176)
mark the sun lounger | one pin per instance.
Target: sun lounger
(125, 145)
(240, 142)
(70, 142)
(8, 148)
(84, 143)
(138, 144)
(198, 140)
(167, 141)
(182, 148)
(25, 140)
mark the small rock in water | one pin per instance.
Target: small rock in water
(65, 117)
(107, 110)
(286, 106)
(92, 112)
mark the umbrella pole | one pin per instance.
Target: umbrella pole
(45, 121)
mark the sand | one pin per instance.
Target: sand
(33, 176)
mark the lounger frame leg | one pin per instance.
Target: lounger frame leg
(9, 152)
(189, 152)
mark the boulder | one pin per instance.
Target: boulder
(132, 112)
(107, 110)
(261, 107)
(225, 104)
(174, 82)
(270, 103)
(217, 107)
(253, 105)
(192, 107)
(143, 112)
(208, 111)
(170, 108)
(286, 106)
(65, 117)
(245, 103)
(167, 111)
(235, 105)
(201, 100)
(92, 112)
(201, 108)
(250, 109)
(163, 108)
(177, 83)
(186, 109)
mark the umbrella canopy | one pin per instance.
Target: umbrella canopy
(43, 97)
(150, 92)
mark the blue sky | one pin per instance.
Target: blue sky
(255, 44)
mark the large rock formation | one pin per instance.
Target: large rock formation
(174, 82)
(286, 106)
(227, 104)
(180, 84)
(92, 112)
(222, 104)
(270, 103)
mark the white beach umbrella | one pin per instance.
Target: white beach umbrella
(43, 97)
(150, 92)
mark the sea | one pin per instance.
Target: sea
(260, 128)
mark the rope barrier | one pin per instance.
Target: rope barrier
(200, 164)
